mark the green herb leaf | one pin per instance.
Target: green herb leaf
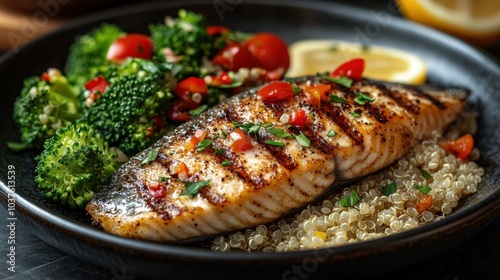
(424, 189)
(355, 114)
(224, 134)
(225, 162)
(350, 200)
(219, 152)
(336, 99)
(343, 81)
(163, 179)
(425, 174)
(198, 110)
(275, 143)
(192, 188)
(303, 141)
(331, 133)
(389, 189)
(203, 144)
(152, 155)
(361, 98)
(279, 132)
(267, 125)
(254, 129)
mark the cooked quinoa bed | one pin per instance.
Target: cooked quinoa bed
(327, 224)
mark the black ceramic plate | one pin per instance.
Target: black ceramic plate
(450, 62)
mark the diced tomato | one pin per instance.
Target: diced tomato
(97, 84)
(179, 111)
(214, 30)
(352, 69)
(130, 45)
(235, 56)
(460, 147)
(298, 118)
(270, 51)
(240, 140)
(157, 190)
(314, 94)
(193, 90)
(424, 203)
(222, 79)
(181, 170)
(45, 77)
(193, 140)
(276, 91)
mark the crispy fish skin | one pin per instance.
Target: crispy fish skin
(265, 182)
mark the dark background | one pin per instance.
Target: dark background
(477, 258)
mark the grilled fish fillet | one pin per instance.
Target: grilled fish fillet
(258, 185)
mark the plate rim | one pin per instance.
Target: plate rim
(39, 212)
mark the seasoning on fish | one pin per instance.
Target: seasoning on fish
(248, 161)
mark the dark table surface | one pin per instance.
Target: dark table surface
(477, 258)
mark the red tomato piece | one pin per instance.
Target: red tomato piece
(460, 147)
(240, 140)
(192, 90)
(45, 77)
(181, 170)
(298, 118)
(214, 30)
(157, 191)
(98, 83)
(235, 56)
(130, 45)
(424, 203)
(352, 69)
(270, 51)
(276, 91)
(179, 111)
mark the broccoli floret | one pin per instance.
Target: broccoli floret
(183, 40)
(74, 165)
(131, 113)
(44, 105)
(87, 55)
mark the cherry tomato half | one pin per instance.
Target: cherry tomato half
(192, 90)
(269, 50)
(352, 69)
(98, 83)
(276, 91)
(130, 45)
(240, 140)
(234, 56)
(214, 30)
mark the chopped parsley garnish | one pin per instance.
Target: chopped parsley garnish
(219, 152)
(279, 132)
(331, 133)
(424, 189)
(254, 129)
(198, 110)
(336, 99)
(361, 98)
(163, 179)
(389, 189)
(225, 162)
(224, 134)
(303, 141)
(350, 200)
(355, 114)
(275, 143)
(203, 144)
(192, 188)
(425, 174)
(152, 155)
(267, 125)
(343, 81)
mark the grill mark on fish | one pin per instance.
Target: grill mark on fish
(236, 167)
(398, 97)
(163, 207)
(375, 112)
(336, 115)
(278, 153)
(429, 97)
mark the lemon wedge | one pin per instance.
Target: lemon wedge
(308, 57)
(477, 21)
